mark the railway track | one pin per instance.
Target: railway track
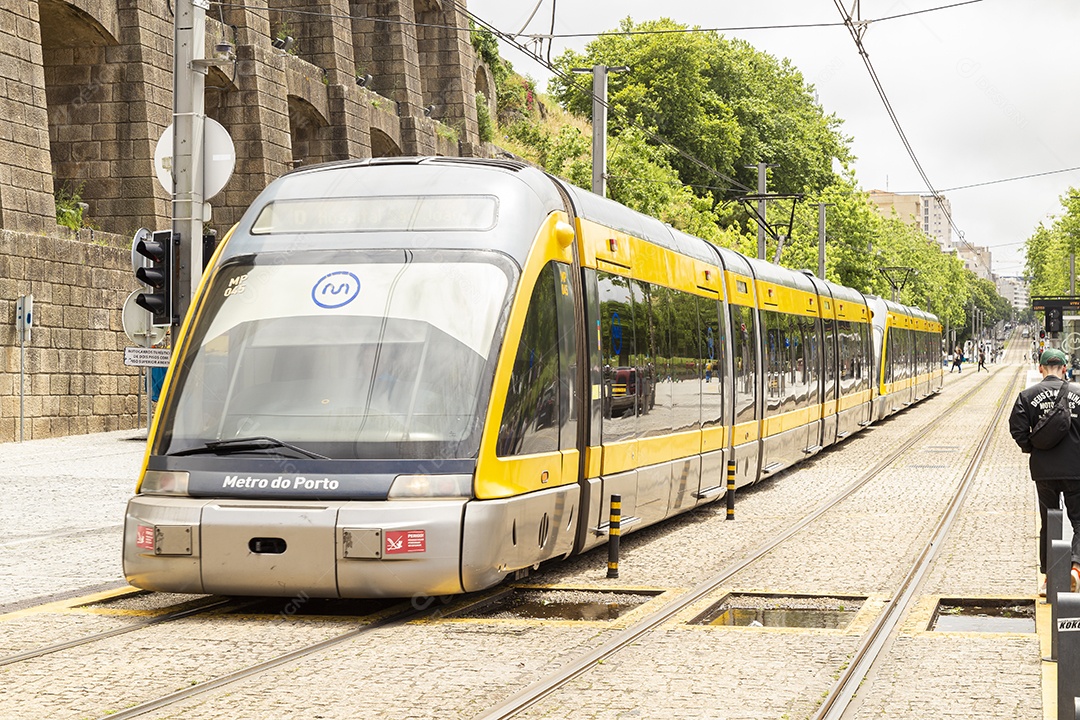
(874, 642)
(542, 688)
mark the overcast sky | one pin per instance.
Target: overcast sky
(984, 91)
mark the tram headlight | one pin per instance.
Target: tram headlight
(407, 487)
(164, 482)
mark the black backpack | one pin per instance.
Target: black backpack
(1054, 425)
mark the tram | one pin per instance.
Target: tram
(420, 376)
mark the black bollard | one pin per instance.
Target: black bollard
(1058, 570)
(1054, 519)
(1067, 625)
(614, 530)
(730, 489)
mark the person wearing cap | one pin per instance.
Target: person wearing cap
(1056, 471)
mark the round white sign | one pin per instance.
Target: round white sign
(137, 323)
(219, 158)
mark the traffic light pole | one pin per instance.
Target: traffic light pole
(189, 79)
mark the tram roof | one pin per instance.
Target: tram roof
(524, 194)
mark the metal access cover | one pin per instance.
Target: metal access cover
(995, 615)
(362, 543)
(830, 612)
(172, 539)
(558, 604)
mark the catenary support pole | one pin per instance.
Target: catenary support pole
(189, 115)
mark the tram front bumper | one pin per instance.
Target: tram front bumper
(280, 548)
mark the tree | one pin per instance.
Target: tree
(722, 101)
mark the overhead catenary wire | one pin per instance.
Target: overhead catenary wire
(569, 79)
(733, 28)
(857, 28)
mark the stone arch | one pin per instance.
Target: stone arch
(485, 83)
(382, 145)
(79, 88)
(310, 132)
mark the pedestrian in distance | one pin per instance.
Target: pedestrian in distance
(1055, 470)
(957, 358)
(982, 361)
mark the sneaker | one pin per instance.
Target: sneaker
(1074, 576)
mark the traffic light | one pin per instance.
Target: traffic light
(1053, 320)
(158, 249)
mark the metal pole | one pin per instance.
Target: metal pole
(1072, 273)
(189, 114)
(599, 129)
(761, 168)
(22, 382)
(614, 532)
(821, 240)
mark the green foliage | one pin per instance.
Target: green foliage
(720, 100)
(483, 119)
(70, 209)
(1047, 250)
(487, 47)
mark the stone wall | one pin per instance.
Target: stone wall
(74, 378)
(88, 92)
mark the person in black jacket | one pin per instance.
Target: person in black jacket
(1056, 471)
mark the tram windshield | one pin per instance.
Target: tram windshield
(389, 357)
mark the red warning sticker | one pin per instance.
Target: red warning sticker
(144, 537)
(405, 541)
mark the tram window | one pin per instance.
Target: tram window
(654, 353)
(568, 358)
(811, 359)
(829, 340)
(619, 377)
(713, 366)
(852, 342)
(530, 421)
(649, 333)
(784, 366)
(745, 363)
(405, 373)
(685, 365)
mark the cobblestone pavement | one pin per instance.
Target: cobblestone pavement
(62, 514)
(458, 668)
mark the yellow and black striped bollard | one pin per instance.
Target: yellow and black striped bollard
(614, 531)
(731, 490)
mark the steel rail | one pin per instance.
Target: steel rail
(539, 690)
(624, 638)
(131, 627)
(877, 640)
(243, 673)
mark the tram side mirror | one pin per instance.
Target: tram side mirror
(564, 233)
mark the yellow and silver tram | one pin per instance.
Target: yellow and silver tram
(419, 376)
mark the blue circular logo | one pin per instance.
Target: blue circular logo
(337, 289)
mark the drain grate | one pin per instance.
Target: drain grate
(984, 615)
(829, 612)
(558, 604)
